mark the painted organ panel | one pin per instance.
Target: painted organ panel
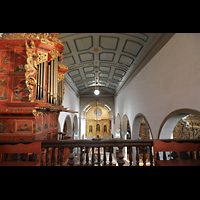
(31, 85)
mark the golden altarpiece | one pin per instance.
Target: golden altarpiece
(97, 122)
(31, 85)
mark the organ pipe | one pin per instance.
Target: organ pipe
(41, 81)
(55, 81)
(54, 89)
(51, 82)
(44, 81)
(38, 83)
(48, 86)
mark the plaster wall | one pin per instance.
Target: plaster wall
(71, 102)
(169, 81)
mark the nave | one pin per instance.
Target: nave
(99, 99)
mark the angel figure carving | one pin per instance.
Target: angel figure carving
(31, 68)
(31, 56)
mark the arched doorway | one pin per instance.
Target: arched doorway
(75, 128)
(141, 128)
(118, 127)
(180, 124)
(126, 131)
(67, 129)
(125, 134)
(142, 131)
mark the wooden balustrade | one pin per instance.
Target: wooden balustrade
(97, 152)
(91, 152)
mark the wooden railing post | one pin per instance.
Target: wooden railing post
(61, 156)
(130, 155)
(92, 156)
(151, 156)
(54, 161)
(110, 158)
(137, 156)
(47, 157)
(71, 157)
(120, 157)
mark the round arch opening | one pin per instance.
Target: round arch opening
(181, 124)
(141, 128)
(126, 130)
(67, 129)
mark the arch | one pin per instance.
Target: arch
(75, 127)
(86, 106)
(170, 121)
(125, 122)
(118, 126)
(67, 125)
(137, 124)
(59, 128)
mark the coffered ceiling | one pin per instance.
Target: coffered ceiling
(107, 59)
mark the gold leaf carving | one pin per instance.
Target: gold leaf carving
(54, 54)
(31, 68)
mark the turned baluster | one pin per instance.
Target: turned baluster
(110, 156)
(26, 157)
(34, 157)
(164, 155)
(61, 156)
(58, 156)
(43, 153)
(151, 156)
(120, 156)
(47, 157)
(92, 156)
(197, 155)
(87, 156)
(104, 156)
(81, 156)
(7, 157)
(99, 156)
(130, 155)
(71, 157)
(137, 156)
(144, 156)
(54, 157)
(157, 156)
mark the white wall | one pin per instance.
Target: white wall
(71, 102)
(169, 81)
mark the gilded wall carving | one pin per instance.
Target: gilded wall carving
(187, 128)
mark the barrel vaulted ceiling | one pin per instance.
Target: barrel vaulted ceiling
(109, 57)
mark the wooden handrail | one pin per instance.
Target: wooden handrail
(60, 152)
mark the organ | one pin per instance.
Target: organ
(31, 85)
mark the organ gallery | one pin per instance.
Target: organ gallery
(31, 85)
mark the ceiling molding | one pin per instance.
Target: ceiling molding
(117, 58)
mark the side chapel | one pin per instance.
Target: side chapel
(31, 85)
